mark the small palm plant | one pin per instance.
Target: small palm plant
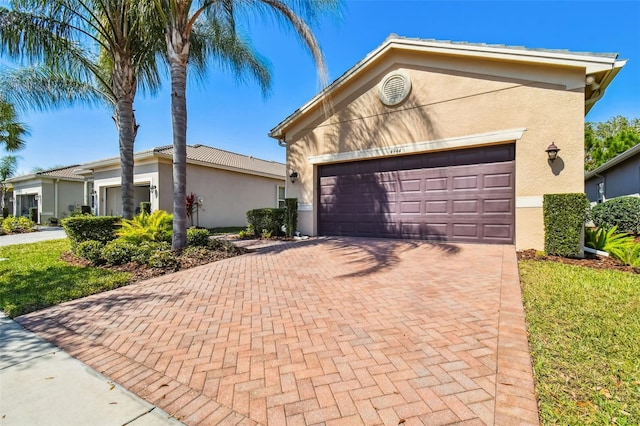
(156, 226)
(619, 245)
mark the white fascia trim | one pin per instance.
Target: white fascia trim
(590, 63)
(305, 207)
(534, 201)
(420, 147)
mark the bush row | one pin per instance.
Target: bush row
(16, 225)
(622, 212)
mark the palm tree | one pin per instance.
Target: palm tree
(106, 45)
(11, 131)
(180, 18)
(8, 168)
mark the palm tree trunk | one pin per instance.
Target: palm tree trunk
(179, 120)
(126, 134)
(124, 87)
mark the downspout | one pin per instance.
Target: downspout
(55, 198)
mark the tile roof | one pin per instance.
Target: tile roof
(215, 156)
(61, 172)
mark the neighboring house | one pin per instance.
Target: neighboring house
(226, 184)
(55, 192)
(443, 141)
(617, 177)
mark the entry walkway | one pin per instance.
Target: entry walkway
(334, 331)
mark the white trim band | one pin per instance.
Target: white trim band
(529, 202)
(305, 207)
(420, 147)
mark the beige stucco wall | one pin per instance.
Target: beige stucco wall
(488, 97)
(227, 195)
(107, 183)
(55, 196)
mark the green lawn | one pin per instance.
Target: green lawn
(34, 277)
(226, 230)
(584, 327)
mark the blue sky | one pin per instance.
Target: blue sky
(237, 117)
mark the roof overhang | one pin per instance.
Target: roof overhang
(602, 67)
(614, 161)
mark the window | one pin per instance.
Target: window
(280, 197)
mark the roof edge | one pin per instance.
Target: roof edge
(520, 54)
(614, 161)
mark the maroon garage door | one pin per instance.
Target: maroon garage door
(463, 195)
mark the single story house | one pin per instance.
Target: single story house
(444, 141)
(55, 192)
(226, 184)
(617, 177)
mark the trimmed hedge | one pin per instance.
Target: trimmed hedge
(564, 217)
(145, 206)
(33, 214)
(623, 212)
(266, 221)
(291, 216)
(197, 237)
(87, 228)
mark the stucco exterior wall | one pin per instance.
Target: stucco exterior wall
(447, 102)
(227, 196)
(107, 183)
(620, 180)
(55, 196)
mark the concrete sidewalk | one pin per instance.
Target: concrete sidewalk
(44, 233)
(42, 385)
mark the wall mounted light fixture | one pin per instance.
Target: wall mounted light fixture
(552, 151)
(152, 188)
(293, 177)
(36, 197)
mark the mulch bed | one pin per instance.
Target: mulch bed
(590, 261)
(144, 272)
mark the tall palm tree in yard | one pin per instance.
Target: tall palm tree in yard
(12, 132)
(106, 48)
(180, 17)
(8, 168)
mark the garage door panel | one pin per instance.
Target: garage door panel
(504, 205)
(464, 195)
(465, 230)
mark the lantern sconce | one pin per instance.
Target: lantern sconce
(552, 151)
(293, 177)
(36, 197)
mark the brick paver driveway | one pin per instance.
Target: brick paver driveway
(333, 331)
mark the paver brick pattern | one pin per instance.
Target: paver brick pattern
(335, 331)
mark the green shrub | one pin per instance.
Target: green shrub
(145, 206)
(53, 221)
(291, 216)
(157, 226)
(265, 221)
(86, 228)
(197, 237)
(628, 253)
(15, 225)
(623, 212)
(246, 233)
(90, 250)
(564, 217)
(145, 250)
(603, 239)
(5, 212)
(195, 251)
(118, 251)
(163, 259)
(85, 209)
(33, 214)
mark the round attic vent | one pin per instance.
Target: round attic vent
(394, 88)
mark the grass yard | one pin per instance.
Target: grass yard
(226, 230)
(34, 277)
(584, 327)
